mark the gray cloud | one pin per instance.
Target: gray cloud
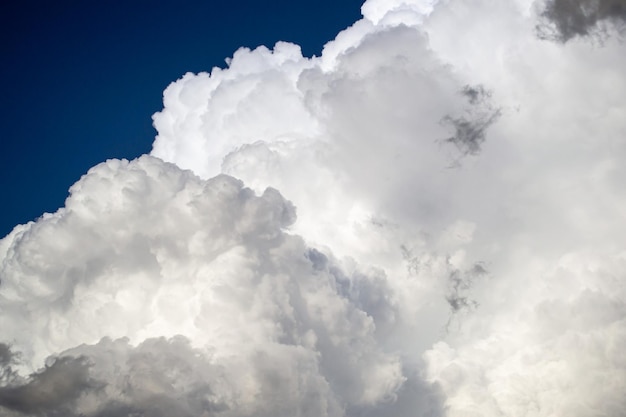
(6, 356)
(460, 284)
(570, 18)
(8, 359)
(167, 377)
(52, 391)
(160, 378)
(469, 134)
(470, 129)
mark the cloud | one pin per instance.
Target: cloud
(457, 248)
(470, 130)
(52, 391)
(145, 251)
(555, 354)
(571, 18)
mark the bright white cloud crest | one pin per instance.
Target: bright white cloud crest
(458, 248)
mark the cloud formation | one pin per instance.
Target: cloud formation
(144, 252)
(427, 220)
(570, 18)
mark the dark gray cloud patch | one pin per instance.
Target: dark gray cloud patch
(469, 134)
(52, 391)
(459, 285)
(566, 19)
(7, 360)
(318, 260)
(159, 378)
(470, 128)
(475, 94)
(6, 356)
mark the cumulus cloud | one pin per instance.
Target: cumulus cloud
(427, 219)
(144, 251)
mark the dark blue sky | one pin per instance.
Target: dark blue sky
(82, 78)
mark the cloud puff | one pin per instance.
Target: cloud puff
(143, 250)
(457, 249)
(553, 350)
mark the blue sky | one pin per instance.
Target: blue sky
(82, 79)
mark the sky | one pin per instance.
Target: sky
(86, 77)
(426, 218)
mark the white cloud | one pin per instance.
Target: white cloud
(396, 12)
(144, 250)
(459, 178)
